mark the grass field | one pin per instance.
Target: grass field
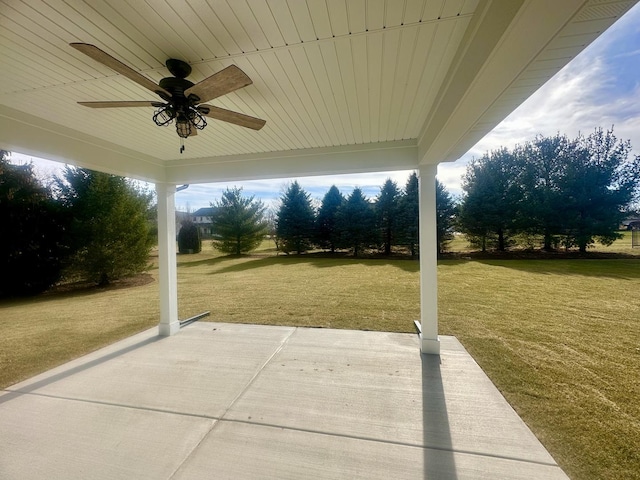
(560, 338)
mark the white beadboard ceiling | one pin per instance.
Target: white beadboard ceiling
(344, 85)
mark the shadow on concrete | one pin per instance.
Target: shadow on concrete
(439, 461)
(10, 394)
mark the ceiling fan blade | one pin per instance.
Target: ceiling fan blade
(218, 84)
(106, 59)
(120, 104)
(231, 117)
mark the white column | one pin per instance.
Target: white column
(169, 323)
(428, 260)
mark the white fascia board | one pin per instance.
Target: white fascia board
(449, 132)
(30, 135)
(362, 158)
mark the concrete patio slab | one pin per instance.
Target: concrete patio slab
(246, 401)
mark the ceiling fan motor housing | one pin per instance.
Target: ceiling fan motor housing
(175, 86)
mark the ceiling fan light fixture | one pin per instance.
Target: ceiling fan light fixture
(164, 115)
(197, 119)
(183, 127)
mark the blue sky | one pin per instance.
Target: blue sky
(599, 88)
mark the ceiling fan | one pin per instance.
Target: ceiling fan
(181, 99)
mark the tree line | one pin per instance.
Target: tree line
(549, 193)
(351, 223)
(554, 191)
(82, 225)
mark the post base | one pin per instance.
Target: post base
(168, 329)
(430, 346)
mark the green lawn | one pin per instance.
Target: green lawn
(560, 338)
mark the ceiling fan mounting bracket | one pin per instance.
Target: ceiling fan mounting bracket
(178, 68)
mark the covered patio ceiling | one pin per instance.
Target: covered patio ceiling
(344, 85)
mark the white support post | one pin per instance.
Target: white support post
(169, 323)
(428, 260)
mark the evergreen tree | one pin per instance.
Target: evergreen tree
(32, 242)
(492, 199)
(409, 216)
(295, 221)
(445, 212)
(387, 208)
(599, 184)
(239, 225)
(189, 238)
(110, 231)
(544, 162)
(326, 231)
(356, 223)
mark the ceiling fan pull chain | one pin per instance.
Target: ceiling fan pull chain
(181, 144)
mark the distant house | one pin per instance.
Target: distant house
(202, 218)
(631, 223)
